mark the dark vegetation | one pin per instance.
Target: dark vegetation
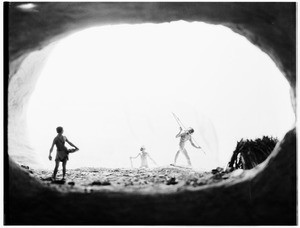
(250, 153)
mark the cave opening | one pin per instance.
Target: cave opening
(114, 88)
(265, 195)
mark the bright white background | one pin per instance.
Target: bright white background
(114, 88)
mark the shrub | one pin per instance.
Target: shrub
(250, 153)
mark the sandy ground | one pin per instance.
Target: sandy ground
(147, 180)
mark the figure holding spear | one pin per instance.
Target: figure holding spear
(185, 135)
(144, 155)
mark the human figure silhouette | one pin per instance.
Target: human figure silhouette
(62, 153)
(185, 136)
(144, 154)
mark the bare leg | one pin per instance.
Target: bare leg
(187, 157)
(55, 169)
(176, 156)
(64, 168)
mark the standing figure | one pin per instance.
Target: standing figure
(144, 154)
(62, 151)
(185, 136)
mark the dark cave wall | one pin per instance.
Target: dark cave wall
(270, 26)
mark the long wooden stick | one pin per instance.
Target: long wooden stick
(178, 121)
(131, 162)
(183, 127)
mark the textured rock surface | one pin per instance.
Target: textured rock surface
(270, 26)
(152, 181)
(266, 195)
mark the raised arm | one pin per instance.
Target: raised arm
(136, 156)
(179, 134)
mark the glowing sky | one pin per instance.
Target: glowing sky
(114, 88)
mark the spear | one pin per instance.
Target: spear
(183, 127)
(131, 162)
(178, 121)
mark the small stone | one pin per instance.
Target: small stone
(72, 183)
(99, 183)
(214, 171)
(226, 176)
(172, 181)
(59, 182)
(96, 183)
(105, 183)
(217, 170)
(25, 167)
(217, 176)
(46, 179)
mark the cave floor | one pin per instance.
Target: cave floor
(144, 180)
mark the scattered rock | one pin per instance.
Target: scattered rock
(99, 183)
(218, 176)
(46, 179)
(217, 170)
(172, 181)
(96, 183)
(226, 176)
(72, 183)
(128, 184)
(106, 183)
(134, 178)
(58, 182)
(25, 167)
(200, 183)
